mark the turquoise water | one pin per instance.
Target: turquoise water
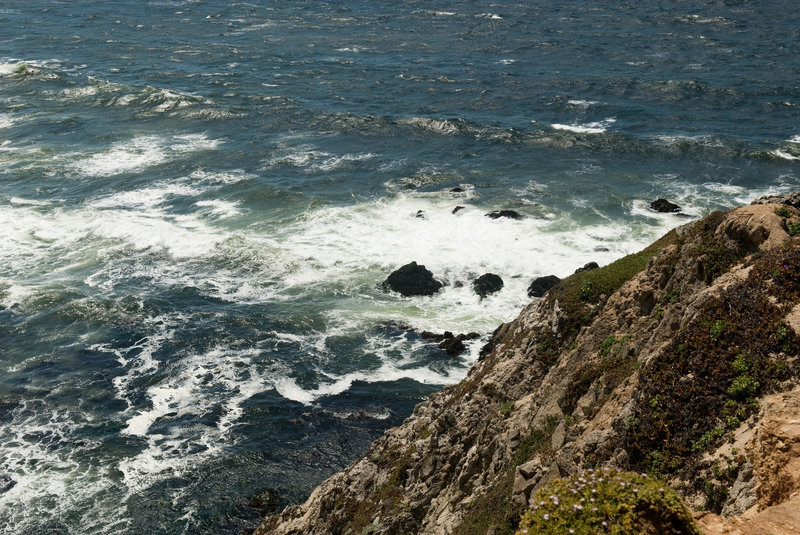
(200, 199)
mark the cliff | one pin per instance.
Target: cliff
(679, 362)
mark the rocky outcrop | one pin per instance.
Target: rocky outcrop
(412, 279)
(791, 199)
(680, 361)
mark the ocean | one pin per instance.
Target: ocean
(199, 201)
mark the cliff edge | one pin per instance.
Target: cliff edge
(679, 362)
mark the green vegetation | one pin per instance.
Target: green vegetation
(495, 510)
(736, 349)
(789, 217)
(579, 295)
(615, 367)
(607, 501)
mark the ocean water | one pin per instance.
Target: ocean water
(199, 200)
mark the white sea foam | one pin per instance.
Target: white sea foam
(41, 470)
(439, 126)
(784, 155)
(220, 208)
(597, 127)
(142, 152)
(191, 385)
(9, 68)
(149, 197)
(581, 103)
(6, 120)
(794, 139)
(27, 202)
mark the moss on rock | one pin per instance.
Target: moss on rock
(607, 501)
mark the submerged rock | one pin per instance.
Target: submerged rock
(412, 279)
(486, 284)
(266, 502)
(457, 208)
(664, 206)
(510, 214)
(540, 285)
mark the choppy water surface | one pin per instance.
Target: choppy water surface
(199, 200)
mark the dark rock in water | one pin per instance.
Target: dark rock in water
(486, 284)
(792, 199)
(588, 267)
(457, 208)
(458, 284)
(457, 189)
(412, 279)
(511, 214)
(451, 344)
(267, 502)
(427, 335)
(6, 483)
(663, 205)
(540, 285)
(409, 186)
(420, 214)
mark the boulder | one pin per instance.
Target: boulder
(412, 279)
(540, 285)
(457, 208)
(486, 284)
(663, 205)
(457, 189)
(587, 267)
(510, 214)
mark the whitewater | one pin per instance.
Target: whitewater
(199, 201)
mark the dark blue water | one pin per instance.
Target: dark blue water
(200, 199)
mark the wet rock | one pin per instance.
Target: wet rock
(664, 206)
(420, 214)
(540, 285)
(412, 279)
(6, 483)
(451, 344)
(587, 267)
(457, 189)
(510, 214)
(487, 283)
(266, 502)
(457, 209)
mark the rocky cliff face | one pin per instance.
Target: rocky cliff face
(679, 361)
